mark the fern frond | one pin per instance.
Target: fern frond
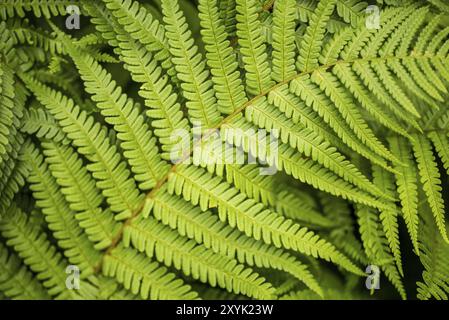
(387, 49)
(221, 59)
(389, 218)
(371, 80)
(16, 281)
(350, 81)
(422, 42)
(160, 96)
(7, 47)
(109, 289)
(81, 193)
(343, 231)
(438, 45)
(407, 186)
(222, 149)
(332, 49)
(308, 143)
(304, 88)
(330, 85)
(352, 11)
(227, 10)
(288, 160)
(284, 14)
(299, 112)
(253, 49)
(305, 10)
(192, 72)
(12, 168)
(265, 189)
(7, 94)
(142, 27)
(60, 218)
(394, 88)
(205, 228)
(198, 187)
(41, 123)
(313, 38)
(293, 207)
(441, 144)
(40, 8)
(247, 179)
(63, 82)
(43, 258)
(414, 25)
(435, 258)
(430, 178)
(168, 247)
(15, 137)
(440, 5)
(24, 34)
(91, 140)
(120, 111)
(14, 171)
(140, 275)
(376, 247)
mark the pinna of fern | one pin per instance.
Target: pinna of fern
(352, 118)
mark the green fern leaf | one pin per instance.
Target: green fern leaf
(407, 186)
(10, 8)
(16, 281)
(308, 143)
(221, 59)
(441, 144)
(223, 149)
(7, 95)
(253, 48)
(140, 275)
(81, 193)
(434, 257)
(249, 217)
(197, 89)
(389, 218)
(283, 36)
(39, 255)
(90, 137)
(60, 218)
(205, 228)
(312, 42)
(170, 248)
(138, 144)
(430, 178)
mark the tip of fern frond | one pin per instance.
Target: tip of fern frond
(420, 130)
(444, 235)
(386, 205)
(357, 271)
(391, 170)
(400, 163)
(401, 270)
(416, 249)
(410, 138)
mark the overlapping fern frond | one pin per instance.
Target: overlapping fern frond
(264, 149)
